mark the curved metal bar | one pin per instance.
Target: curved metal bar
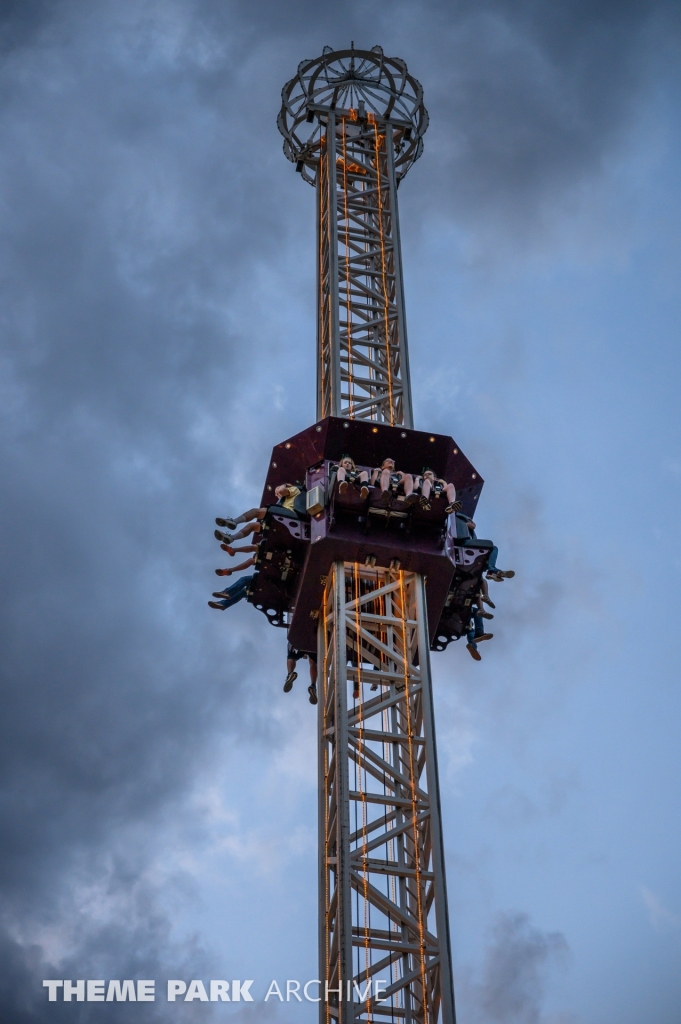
(344, 81)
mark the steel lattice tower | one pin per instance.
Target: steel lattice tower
(353, 122)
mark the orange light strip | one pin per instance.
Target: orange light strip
(325, 662)
(384, 278)
(387, 753)
(347, 271)
(358, 641)
(322, 320)
(414, 806)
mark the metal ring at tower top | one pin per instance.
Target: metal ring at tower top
(356, 84)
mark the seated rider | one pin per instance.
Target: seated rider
(294, 656)
(483, 598)
(286, 495)
(432, 486)
(498, 575)
(244, 565)
(232, 595)
(476, 634)
(349, 474)
(389, 479)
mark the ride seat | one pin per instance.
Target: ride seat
(298, 511)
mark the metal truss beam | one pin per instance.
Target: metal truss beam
(382, 880)
(363, 366)
(353, 123)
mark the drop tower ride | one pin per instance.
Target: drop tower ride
(366, 123)
(373, 584)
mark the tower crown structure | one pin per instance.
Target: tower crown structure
(354, 84)
(353, 124)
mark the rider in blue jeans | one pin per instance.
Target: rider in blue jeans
(475, 634)
(232, 595)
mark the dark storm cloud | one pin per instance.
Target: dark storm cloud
(143, 189)
(529, 97)
(21, 21)
(125, 953)
(118, 232)
(514, 972)
(525, 98)
(512, 807)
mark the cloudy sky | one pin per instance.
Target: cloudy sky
(158, 329)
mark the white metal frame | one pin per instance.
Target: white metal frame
(363, 369)
(353, 123)
(383, 913)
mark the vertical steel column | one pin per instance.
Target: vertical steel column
(321, 343)
(328, 351)
(343, 888)
(382, 889)
(433, 778)
(363, 366)
(323, 800)
(334, 807)
(332, 279)
(399, 285)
